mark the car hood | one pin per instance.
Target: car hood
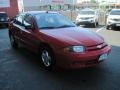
(74, 36)
(114, 16)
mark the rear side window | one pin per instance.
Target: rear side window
(19, 19)
(28, 21)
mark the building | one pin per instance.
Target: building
(10, 7)
(109, 5)
(48, 4)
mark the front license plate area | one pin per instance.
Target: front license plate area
(103, 57)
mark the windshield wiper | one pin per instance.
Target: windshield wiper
(65, 26)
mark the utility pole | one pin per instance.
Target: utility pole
(116, 4)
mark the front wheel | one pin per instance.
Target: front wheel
(108, 27)
(94, 25)
(47, 58)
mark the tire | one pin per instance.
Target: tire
(78, 24)
(97, 24)
(94, 25)
(13, 42)
(108, 27)
(47, 58)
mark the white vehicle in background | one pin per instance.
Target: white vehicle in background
(113, 19)
(88, 17)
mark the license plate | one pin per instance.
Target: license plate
(117, 24)
(103, 57)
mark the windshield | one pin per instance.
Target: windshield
(87, 12)
(115, 12)
(53, 20)
(3, 15)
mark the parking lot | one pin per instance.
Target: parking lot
(21, 69)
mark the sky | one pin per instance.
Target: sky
(103, 0)
(109, 0)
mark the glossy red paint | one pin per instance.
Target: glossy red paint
(61, 38)
(66, 37)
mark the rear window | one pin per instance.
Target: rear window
(3, 15)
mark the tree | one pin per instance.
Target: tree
(93, 1)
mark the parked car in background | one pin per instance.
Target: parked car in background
(4, 19)
(57, 40)
(113, 19)
(88, 17)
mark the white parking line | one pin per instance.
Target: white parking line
(100, 29)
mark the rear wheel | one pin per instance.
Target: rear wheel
(13, 42)
(47, 58)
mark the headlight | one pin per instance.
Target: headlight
(110, 20)
(77, 49)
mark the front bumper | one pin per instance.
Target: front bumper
(76, 61)
(85, 22)
(114, 25)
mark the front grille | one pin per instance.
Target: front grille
(116, 19)
(96, 47)
(84, 18)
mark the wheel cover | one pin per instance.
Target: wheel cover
(46, 58)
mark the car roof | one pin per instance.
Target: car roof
(39, 12)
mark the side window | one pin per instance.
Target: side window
(18, 20)
(28, 21)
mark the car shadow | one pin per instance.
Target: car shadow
(116, 29)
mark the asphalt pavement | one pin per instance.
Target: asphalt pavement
(21, 70)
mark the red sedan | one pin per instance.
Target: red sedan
(57, 40)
